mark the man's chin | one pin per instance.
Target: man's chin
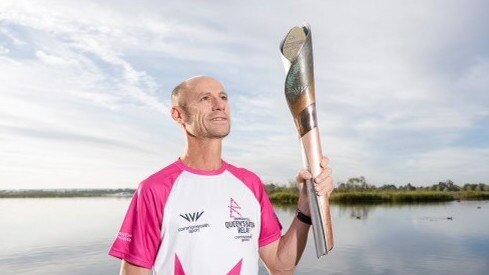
(220, 134)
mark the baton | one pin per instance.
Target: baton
(296, 49)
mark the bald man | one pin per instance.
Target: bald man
(202, 215)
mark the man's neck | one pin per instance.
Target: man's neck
(203, 154)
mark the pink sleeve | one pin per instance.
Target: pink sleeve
(140, 234)
(271, 229)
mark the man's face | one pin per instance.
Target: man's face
(206, 109)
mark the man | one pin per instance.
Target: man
(201, 215)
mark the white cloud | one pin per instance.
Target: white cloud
(399, 88)
(4, 50)
(55, 60)
(457, 164)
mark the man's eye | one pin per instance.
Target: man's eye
(224, 97)
(205, 98)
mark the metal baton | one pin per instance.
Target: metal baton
(296, 49)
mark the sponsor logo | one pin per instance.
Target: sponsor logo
(123, 236)
(192, 217)
(242, 225)
(193, 228)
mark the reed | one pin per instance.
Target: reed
(358, 197)
(374, 197)
(472, 195)
(421, 196)
(394, 197)
(280, 195)
(284, 198)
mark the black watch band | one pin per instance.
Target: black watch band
(303, 217)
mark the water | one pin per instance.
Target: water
(72, 236)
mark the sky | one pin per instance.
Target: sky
(402, 88)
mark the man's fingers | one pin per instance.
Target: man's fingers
(323, 183)
(324, 162)
(303, 175)
(325, 186)
(324, 174)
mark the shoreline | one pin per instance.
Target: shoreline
(282, 197)
(387, 197)
(66, 193)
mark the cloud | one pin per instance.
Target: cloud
(77, 41)
(3, 50)
(399, 88)
(55, 60)
(458, 163)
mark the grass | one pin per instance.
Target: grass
(472, 195)
(284, 198)
(391, 197)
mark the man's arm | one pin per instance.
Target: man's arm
(129, 269)
(283, 255)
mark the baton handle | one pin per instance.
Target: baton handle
(319, 205)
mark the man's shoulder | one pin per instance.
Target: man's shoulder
(248, 178)
(164, 177)
(242, 172)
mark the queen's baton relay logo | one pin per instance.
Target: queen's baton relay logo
(242, 225)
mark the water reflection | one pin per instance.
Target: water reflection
(72, 236)
(359, 212)
(398, 239)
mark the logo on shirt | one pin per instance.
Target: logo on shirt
(242, 225)
(233, 209)
(123, 236)
(192, 217)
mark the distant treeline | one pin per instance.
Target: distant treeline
(360, 184)
(65, 193)
(357, 190)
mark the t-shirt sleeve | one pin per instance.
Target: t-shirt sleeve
(140, 235)
(271, 229)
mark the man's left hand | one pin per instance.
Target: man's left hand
(323, 183)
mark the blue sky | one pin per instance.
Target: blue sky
(402, 88)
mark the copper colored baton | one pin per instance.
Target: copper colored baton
(296, 49)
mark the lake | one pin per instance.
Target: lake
(73, 235)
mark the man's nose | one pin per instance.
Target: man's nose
(219, 104)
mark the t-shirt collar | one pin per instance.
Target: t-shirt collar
(187, 168)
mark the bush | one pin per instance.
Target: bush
(472, 195)
(421, 197)
(357, 197)
(284, 197)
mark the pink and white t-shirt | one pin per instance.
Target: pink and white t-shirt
(186, 221)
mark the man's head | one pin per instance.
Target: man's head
(200, 105)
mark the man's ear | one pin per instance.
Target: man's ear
(177, 114)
